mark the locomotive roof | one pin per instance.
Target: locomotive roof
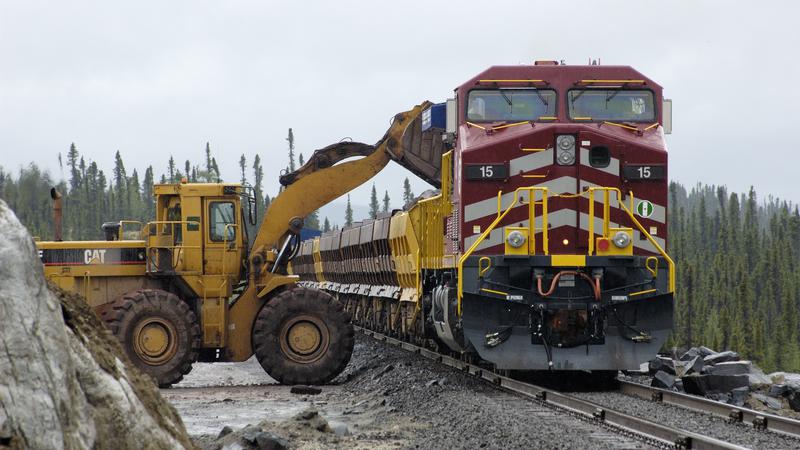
(559, 75)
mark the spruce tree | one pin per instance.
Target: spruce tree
(209, 167)
(171, 169)
(258, 177)
(348, 213)
(147, 195)
(374, 207)
(243, 167)
(326, 226)
(215, 168)
(290, 139)
(386, 201)
(408, 196)
(72, 162)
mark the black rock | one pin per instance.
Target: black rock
(730, 368)
(307, 414)
(721, 357)
(691, 354)
(695, 365)
(773, 403)
(713, 384)
(705, 351)
(663, 380)
(778, 390)
(226, 430)
(662, 363)
(794, 401)
(739, 396)
(305, 390)
(269, 441)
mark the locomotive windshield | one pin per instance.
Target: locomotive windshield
(499, 105)
(611, 104)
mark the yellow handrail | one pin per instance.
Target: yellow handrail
(122, 228)
(166, 232)
(545, 244)
(639, 226)
(493, 225)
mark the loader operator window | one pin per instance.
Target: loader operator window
(512, 105)
(611, 104)
(220, 215)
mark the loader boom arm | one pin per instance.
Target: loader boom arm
(320, 181)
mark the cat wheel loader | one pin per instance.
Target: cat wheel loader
(194, 285)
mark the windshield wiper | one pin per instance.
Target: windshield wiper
(508, 100)
(541, 97)
(609, 97)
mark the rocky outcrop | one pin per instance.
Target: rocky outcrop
(63, 380)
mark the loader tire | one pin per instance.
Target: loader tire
(158, 332)
(303, 336)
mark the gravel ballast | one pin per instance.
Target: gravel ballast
(458, 411)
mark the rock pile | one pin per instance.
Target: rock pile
(63, 380)
(308, 425)
(723, 376)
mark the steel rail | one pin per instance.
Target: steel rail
(759, 419)
(650, 432)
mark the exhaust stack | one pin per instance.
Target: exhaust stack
(56, 196)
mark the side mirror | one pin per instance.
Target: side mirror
(666, 115)
(451, 121)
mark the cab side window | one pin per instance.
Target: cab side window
(222, 214)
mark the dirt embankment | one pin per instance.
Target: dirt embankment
(64, 381)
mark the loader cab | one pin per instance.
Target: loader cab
(199, 234)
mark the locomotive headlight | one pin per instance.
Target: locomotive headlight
(621, 239)
(516, 239)
(565, 149)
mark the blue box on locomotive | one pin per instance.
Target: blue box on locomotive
(435, 117)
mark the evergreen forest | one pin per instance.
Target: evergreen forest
(737, 254)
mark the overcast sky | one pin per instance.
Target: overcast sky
(153, 79)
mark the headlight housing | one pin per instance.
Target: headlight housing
(621, 239)
(516, 239)
(565, 150)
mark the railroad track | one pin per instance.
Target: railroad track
(656, 434)
(759, 419)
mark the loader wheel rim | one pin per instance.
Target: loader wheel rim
(304, 339)
(155, 340)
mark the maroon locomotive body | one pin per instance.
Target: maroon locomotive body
(560, 176)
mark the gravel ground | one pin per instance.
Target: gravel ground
(386, 398)
(739, 433)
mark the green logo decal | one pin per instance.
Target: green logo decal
(644, 208)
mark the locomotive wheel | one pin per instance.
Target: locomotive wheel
(158, 332)
(303, 336)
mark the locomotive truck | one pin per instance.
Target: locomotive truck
(192, 285)
(544, 247)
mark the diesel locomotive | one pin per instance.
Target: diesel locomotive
(544, 247)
